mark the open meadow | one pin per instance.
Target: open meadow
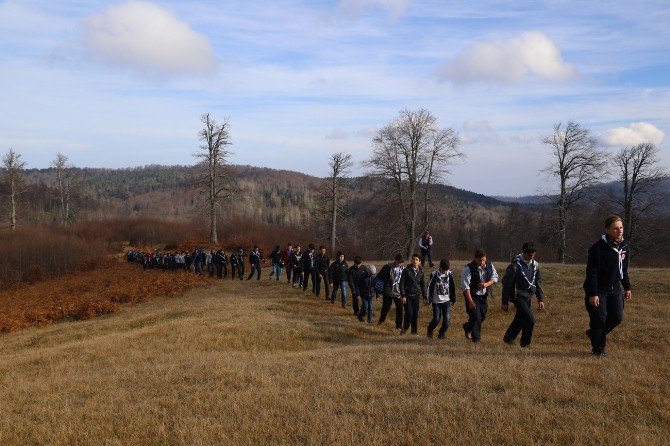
(261, 363)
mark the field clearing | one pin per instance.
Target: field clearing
(262, 363)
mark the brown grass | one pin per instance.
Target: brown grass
(261, 363)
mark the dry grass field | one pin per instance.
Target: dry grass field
(260, 363)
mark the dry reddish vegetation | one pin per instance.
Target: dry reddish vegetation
(88, 293)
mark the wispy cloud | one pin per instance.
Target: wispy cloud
(531, 54)
(149, 39)
(395, 8)
(636, 133)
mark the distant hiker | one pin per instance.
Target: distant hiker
(255, 258)
(220, 263)
(309, 269)
(390, 276)
(240, 263)
(521, 282)
(366, 289)
(442, 295)
(296, 262)
(606, 272)
(322, 264)
(412, 288)
(353, 274)
(208, 262)
(338, 277)
(233, 264)
(286, 258)
(425, 243)
(477, 278)
(277, 263)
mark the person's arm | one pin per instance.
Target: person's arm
(452, 289)
(422, 284)
(509, 286)
(465, 286)
(431, 287)
(539, 292)
(402, 284)
(591, 282)
(625, 281)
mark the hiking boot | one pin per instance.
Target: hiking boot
(440, 336)
(508, 341)
(468, 334)
(430, 334)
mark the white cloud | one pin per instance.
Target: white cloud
(338, 133)
(636, 133)
(396, 8)
(478, 131)
(144, 37)
(531, 54)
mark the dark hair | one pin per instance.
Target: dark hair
(416, 255)
(255, 246)
(311, 246)
(340, 253)
(444, 264)
(358, 259)
(480, 253)
(321, 247)
(612, 219)
(289, 244)
(398, 258)
(529, 248)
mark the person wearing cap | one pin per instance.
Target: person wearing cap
(390, 275)
(522, 281)
(353, 274)
(477, 278)
(606, 273)
(366, 288)
(338, 277)
(322, 264)
(412, 288)
(441, 294)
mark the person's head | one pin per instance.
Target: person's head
(297, 248)
(528, 249)
(416, 261)
(255, 247)
(444, 265)
(277, 248)
(340, 256)
(311, 246)
(372, 270)
(480, 257)
(426, 233)
(289, 246)
(322, 249)
(358, 260)
(614, 227)
(399, 260)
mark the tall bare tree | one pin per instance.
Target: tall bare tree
(214, 177)
(577, 164)
(410, 155)
(334, 192)
(639, 173)
(67, 181)
(14, 166)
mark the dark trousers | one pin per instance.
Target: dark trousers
(219, 270)
(297, 276)
(240, 271)
(603, 319)
(233, 270)
(411, 314)
(476, 317)
(386, 306)
(427, 252)
(355, 302)
(255, 268)
(366, 308)
(342, 286)
(523, 322)
(310, 274)
(289, 269)
(322, 276)
(440, 311)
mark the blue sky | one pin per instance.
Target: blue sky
(117, 84)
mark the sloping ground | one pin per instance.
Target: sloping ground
(262, 363)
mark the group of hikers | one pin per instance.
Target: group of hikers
(404, 287)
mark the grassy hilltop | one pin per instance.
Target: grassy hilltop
(262, 363)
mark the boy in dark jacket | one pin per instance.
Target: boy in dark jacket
(338, 277)
(521, 282)
(255, 258)
(309, 269)
(286, 258)
(442, 294)
(390, 275)
(477, 278)
(322, 264)
(366, 288)
(277, 263)
(353, 274)
(412, 288)
(606, 272)
(296, 264)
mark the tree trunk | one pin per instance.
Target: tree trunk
(13, 204)
(333, 231)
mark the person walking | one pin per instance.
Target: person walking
(442, 295)
(338, 277)
(425, 243)
(296, 263)
(522, 281)
(606, 273)
(255, 258)
(286, 258)
(309, 269)
(477, 278)
(390, 275)
(412, 288)
(353, 275)
(322, 264)
(366, 288)
(277, 263)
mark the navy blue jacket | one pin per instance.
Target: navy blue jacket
(607, 268)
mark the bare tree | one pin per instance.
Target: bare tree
(334, 192)
(410, 155)
(14, 166)
(639, 173)
(67, 181)
(214, 177)
(578, 165)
